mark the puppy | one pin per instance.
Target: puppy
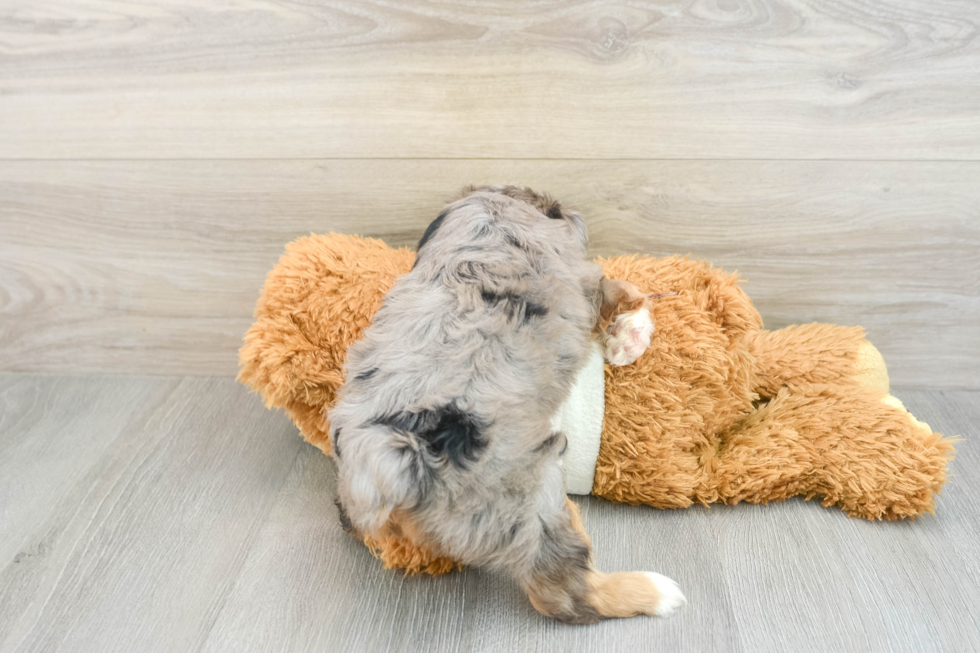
(441, 432)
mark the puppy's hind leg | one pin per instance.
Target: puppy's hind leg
(562, 582)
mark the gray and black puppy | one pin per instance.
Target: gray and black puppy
(442, 430)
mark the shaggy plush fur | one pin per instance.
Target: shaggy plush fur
(719, 410)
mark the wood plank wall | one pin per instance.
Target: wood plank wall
(155, 157)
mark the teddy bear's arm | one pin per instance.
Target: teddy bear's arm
(316, 301)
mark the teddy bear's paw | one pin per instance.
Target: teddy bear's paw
(671, 596)
(895, 402)
(627, 337)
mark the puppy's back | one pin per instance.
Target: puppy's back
(449, 394)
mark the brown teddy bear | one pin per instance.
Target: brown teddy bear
(719, 409)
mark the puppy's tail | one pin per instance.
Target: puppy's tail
(379, 472)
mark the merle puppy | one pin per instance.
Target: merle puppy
(441, 432)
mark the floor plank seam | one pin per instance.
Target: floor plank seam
(214, 614)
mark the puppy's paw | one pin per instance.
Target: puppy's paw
(671, 596)
(627, 337)
(632, 593)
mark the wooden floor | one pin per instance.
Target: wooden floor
(177, 514)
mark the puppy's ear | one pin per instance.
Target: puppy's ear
(618, 297)
(466, 191)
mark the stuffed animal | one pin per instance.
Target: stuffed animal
(717, 410)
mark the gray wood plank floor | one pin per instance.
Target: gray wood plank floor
(177, 514)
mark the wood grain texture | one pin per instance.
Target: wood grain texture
(136, 552)
(154, 267)
(198, 521)
(42, 456)
(155, 158)
(789, 79)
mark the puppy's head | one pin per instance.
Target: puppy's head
(506, 216)
(543, 202)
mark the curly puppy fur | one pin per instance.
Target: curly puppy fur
(441, 432)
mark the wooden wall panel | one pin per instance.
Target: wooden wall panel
(153, 267)
(786, 79)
